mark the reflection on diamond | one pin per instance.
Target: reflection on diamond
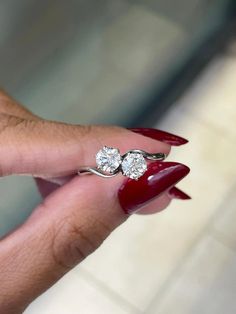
(108, 159)
(134, 165)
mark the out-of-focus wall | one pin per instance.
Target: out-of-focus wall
(84, 61)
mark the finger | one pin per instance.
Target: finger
(70, 224)
(11, 107)
(161, 202)
(46, 188)
(45, 148)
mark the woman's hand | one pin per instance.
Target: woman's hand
(77, 212)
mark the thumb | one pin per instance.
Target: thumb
(70, 224)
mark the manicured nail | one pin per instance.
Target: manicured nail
(161, 136)
(175, 193)
(159, 177)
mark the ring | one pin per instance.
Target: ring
(132, 164)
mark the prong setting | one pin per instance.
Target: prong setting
(108, 159)
(132, 164)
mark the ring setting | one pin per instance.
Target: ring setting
(132, 164)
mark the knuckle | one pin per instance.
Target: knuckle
(8, 121)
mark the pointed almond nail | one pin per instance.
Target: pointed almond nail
(175, 193)
(159, 177)
(161, 136)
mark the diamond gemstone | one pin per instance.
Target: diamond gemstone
(108, 159)
(134, 165)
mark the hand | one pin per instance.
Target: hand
(77, 212)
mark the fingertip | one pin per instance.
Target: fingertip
(160, 204)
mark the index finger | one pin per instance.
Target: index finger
(46, 148)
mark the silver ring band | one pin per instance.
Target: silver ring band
(132, 164)
(149, 156)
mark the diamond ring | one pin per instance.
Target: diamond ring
(132, 164)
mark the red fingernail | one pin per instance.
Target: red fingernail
(159, 177)
(161, 136)
(176, 193)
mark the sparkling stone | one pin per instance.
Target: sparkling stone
(108, 159)
(134, 165)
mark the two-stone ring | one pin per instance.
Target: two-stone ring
(132, 164)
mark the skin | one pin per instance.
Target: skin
(76, 213)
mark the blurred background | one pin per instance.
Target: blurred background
(165, 64)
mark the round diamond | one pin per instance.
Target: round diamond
(108, 159)
(134, 165)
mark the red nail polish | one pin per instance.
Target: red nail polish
(176, 193)
(159, 177)
(161, 136)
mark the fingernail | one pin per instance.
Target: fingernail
(175, 193)
(161, 136)
(159, 177)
